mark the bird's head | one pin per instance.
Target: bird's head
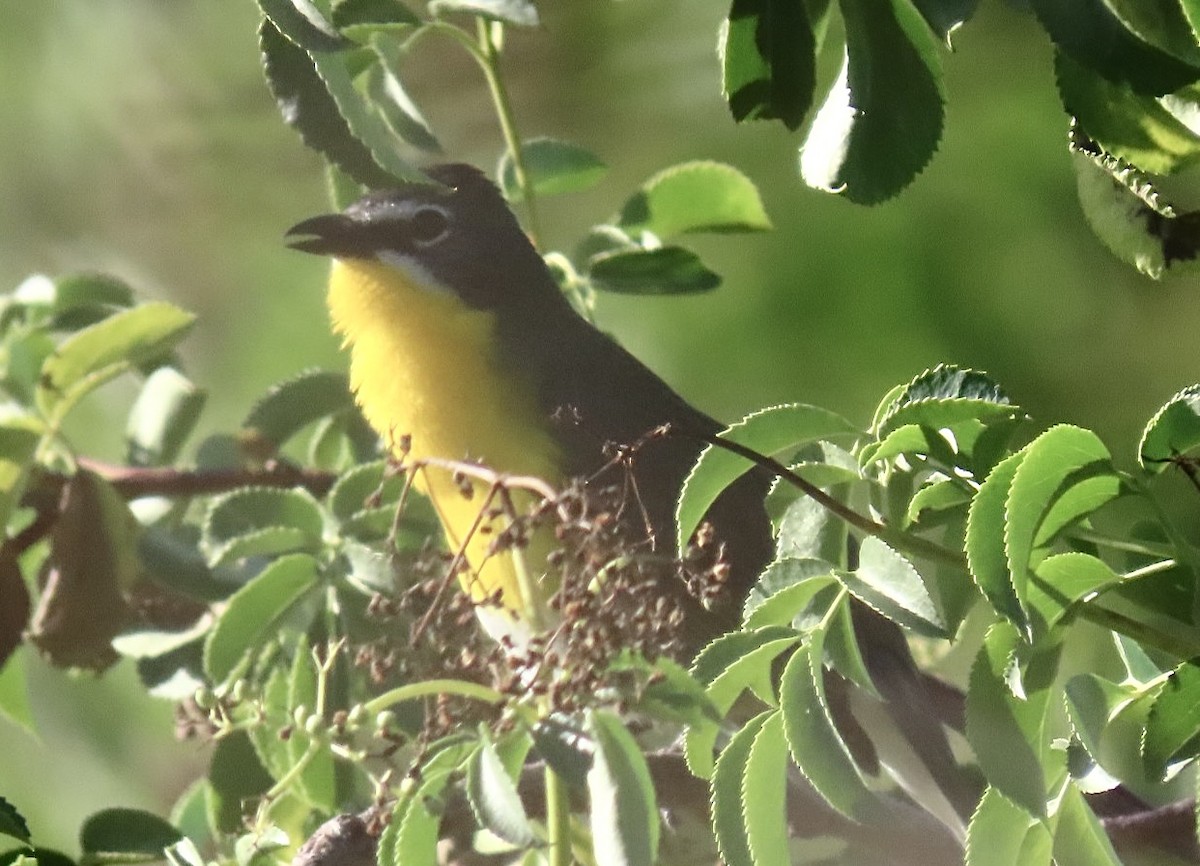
(453, 234)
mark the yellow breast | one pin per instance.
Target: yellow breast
(425, 365)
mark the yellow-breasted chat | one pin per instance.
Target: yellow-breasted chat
(463, 347)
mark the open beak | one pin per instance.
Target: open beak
(329, 235)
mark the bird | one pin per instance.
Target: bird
(463, 347)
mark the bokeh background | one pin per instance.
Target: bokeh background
(137, 137)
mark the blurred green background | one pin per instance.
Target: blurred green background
(137, 137)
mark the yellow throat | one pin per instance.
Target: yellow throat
(426, 365)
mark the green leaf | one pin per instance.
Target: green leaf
(162, 417)
(14, 694)
(90, 291)
(417, 838)
(741, 660)
(274, 753)
(695, 197)
(945, 16)
(396, 107)
(171, 558)
(764, 793)
(943, 397)
(360, 19)
(255, 846)
(1130, 125)
(882, 120)
(148, 642)
(565, 748)
(100, 352)
(1001, 833)
(492, 793)
(768, 61)
(1006, 717)
(887, 582)
(19, 438)
(367, 489)
(658, 271)
(125, 836)
(260, 521)
(303, 24)
(934, 499)
(1110, 720)
(35, 856)
(987, 556)
(1173, 729)
(184, 852)
(1093, 33)
(807, 529)
(1079, 837)
(521, 13)
(728, 809)
(727, 667)
(317, 783)
(768, 432)
(1060, 582)
(1173, 431)
(307, 106)
(236, 777)
(1124, 210)
(12, 822)
(784, 590)
(1043, 496)
(670, 692)
(624, 813)
(293, 404)
(257, 611)
(553, 167)
(816, 746)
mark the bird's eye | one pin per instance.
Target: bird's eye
(428, 226)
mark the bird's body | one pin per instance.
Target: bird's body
(464, 348)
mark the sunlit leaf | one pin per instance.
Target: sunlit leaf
(1172, 432)
(257, 611)
(552, 168)
(695, 197)
(624, 813)
(769, 431)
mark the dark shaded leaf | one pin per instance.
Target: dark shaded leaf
(658, 271)
(1093, 34)
(882, 120)
(307, 107)
(768, 61)
(1172, 432)
(1173, 729)
(91, 566)
(125, 836)
(12, 822)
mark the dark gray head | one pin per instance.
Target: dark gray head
(458, 230)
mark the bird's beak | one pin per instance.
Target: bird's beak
(330, 234)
